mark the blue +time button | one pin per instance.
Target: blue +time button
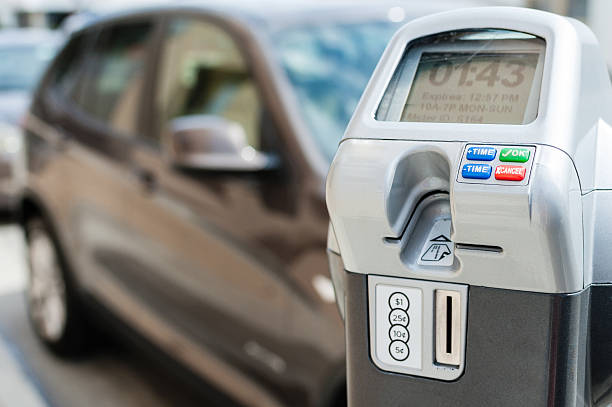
(476, 171)
(479, 153)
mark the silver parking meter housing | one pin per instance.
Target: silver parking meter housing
(469, 215)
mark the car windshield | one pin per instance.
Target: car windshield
(329, 67)
(22, 65)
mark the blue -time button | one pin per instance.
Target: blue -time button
(476, 171)
(481, 153)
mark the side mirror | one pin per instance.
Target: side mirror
(202, 142)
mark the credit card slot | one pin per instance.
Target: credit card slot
(479, 247)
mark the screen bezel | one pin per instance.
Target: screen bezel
(485, 41)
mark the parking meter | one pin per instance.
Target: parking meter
(470, 204)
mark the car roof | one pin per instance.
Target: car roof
(273, 13)
(28, 36)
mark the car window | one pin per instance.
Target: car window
(202, 71)
(328, 64)
(111, 86)
(69, 65)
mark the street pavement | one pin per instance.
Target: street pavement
(16, 387)
(31, 377)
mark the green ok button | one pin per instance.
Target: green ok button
(514, 154)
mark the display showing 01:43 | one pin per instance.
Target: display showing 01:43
(442, 72)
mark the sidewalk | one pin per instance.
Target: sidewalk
(16, 388)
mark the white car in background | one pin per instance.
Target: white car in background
(24, 54)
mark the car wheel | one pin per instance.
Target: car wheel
(51, 298)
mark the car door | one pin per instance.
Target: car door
(99, 114)
(201, 248)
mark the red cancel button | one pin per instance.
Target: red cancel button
(510, 173)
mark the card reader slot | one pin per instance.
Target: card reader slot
(479, 247)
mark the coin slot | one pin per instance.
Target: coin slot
(449, 324)
(448, 327)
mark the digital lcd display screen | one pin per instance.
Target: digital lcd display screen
(471, 88)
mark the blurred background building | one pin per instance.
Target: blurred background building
(51, 13)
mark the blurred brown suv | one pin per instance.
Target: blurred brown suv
(176, 162)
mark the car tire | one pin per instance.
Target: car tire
(52, 301)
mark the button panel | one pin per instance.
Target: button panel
(487, 164)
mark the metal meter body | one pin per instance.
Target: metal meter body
(471, 209)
